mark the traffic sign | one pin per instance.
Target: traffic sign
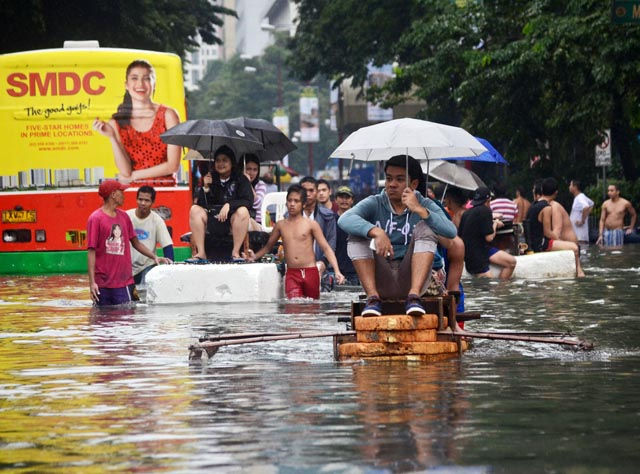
(603, 150)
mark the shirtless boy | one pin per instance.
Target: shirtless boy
(611, 233)
(302, 278)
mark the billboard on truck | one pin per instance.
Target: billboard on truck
(49, 100)
(60, 139)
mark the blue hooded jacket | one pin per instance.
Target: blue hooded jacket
(376, 211)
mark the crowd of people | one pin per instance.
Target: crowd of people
(395, 243)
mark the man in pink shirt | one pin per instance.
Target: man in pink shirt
(109, 256)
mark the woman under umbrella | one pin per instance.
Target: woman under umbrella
(252, 172)
(224, 208)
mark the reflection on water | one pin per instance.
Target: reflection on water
(93, 390)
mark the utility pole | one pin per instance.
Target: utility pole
(340, 131)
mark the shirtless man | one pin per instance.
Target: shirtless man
(302, 278)
(561, 221)
(611, 233)
(522, 203)
(544, 235)
(560, 216)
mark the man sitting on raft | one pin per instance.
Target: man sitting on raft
(228, 200)
(298, 233)
(543, 234)
(405, 228)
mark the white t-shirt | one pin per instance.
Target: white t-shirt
(150, 231)
(580, 202)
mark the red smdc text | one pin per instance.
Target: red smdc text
(54, 83)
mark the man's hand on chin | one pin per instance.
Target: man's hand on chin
(410, 201)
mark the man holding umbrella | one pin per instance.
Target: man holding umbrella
(404, 228)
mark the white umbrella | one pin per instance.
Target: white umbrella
(421, 139)
(450, 173)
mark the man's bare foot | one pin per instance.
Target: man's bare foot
(581, 274)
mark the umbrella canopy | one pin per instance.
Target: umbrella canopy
(452, 174)
(421, 139)
(276, 144)
(208, 135)
(490, 156)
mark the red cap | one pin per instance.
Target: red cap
(108, 186)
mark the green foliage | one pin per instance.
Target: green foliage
(536, 77)
(158, 25)
(228, 90)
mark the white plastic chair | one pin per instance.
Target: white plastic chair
(279, 199)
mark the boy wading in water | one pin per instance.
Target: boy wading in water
(302, 278)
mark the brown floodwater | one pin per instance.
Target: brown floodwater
(88, 390)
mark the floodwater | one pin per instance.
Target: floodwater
(85, 390)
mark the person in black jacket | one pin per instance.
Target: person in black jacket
(227, 200)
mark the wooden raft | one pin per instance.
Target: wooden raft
(397, 336)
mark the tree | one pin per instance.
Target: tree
(542, 77)
(160, 25)
(228, 90)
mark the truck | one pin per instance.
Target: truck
(53, 161)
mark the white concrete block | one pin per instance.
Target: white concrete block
(214, 283)
(542, 265)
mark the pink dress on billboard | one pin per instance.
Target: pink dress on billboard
(146, 149)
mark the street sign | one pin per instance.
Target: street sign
(625, 11)
(603, 150)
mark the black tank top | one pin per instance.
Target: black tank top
(536, 231)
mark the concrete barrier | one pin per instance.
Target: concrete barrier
(214, 283)
(542, 265)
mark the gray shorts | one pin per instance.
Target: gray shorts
(393, 277)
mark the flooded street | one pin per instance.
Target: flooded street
(87, 390)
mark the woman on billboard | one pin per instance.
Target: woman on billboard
(134, 132)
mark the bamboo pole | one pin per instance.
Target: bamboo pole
(568, 341)
(211, 347)
(239, 335)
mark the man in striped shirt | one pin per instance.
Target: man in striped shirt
(501, 205)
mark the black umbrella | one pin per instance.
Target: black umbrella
(276, 144)
(207, 136)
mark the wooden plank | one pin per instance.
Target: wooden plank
(374, 349)
(420, 335)
(422, 358)
(341, 339)
(398, 322)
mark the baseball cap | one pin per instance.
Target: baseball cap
(344, 190)
(480, 196)
(108, 186)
